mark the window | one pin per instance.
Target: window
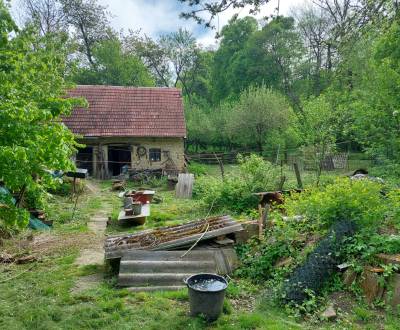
(155, 155)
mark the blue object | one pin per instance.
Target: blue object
(36, 224)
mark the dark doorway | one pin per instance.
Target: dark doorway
(118, 156)
(84, 159)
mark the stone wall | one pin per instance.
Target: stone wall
(172, 153)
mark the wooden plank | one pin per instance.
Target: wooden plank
(184, 241)
(184, 187)
(112, 251)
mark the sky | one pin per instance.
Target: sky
(156, 17)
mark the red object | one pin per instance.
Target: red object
(144, 197)
(128, 111)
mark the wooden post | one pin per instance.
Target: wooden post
(104, 150)
(132, 156)
(260, 221)
(298, 177)
(281, 183)
(95, 151)
(265, 215)
(221, 165)
(184, 186)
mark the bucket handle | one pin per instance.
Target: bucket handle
(227, 278)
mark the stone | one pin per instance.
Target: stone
(329, 313)
(370, 285)
(250, 229)
(389, 258)
(284, 262)
(87, 282)
(349, 277)
(392, 295)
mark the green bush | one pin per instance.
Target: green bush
(235, 192)
(197, 169)
(360, 201)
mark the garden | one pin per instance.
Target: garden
(362, 214)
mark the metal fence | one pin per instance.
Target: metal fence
(306, 161)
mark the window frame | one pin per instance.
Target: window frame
(155, 155)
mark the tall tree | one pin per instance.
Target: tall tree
(259, 117)
(89, 23)
(114, 66)
(314, 26)
(48, 15)
(174, 58)
(282, 44)
(152, 54)
(234, 37)
(200, 8)
(84, 20)
(32, 90)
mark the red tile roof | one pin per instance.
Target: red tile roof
(128, 111)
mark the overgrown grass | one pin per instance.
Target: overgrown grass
(39, 296)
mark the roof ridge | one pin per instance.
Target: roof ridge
(130, 87)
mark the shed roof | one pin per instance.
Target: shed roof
(128, 111)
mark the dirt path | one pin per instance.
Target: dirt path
(97, 225)
(95, 254)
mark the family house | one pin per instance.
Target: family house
(128, 127)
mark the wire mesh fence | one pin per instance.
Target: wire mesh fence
(340, 161)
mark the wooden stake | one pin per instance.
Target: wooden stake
(298, 177)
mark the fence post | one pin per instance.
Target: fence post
(298, 177)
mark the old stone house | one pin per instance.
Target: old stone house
(128, 127)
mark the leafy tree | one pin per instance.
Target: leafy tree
(32, 90)
(174, 59)
(282, 45)
(183, 54)
(314, 26)
(234, 37)
(114, 66)
(84, 20)
(47, 14)
(317, 129)
(89, 24)
(259, 117)
(375, 100)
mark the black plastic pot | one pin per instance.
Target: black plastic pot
(207, 301)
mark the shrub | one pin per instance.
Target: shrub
(235, 192)
(197, 169)
(292, 240)
(360, 201)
